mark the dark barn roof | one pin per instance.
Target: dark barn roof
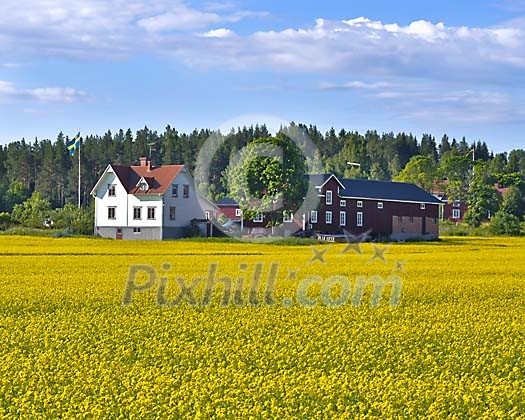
(226, 201)
(386, 190)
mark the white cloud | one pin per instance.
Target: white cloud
(359, 85)
(219, 33)
(67, 95)
(100, 28)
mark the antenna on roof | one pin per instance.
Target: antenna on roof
(152, 149)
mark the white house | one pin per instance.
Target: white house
(147, 202)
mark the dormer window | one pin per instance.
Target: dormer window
(143, 186)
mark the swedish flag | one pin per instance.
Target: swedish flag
(73, 144)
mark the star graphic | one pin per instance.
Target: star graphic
(400, 266)
(292, 274)
(318, 255)
(354, 242)
(379, 253)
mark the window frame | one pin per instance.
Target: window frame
(329, 201)
(360, 204)
(112, 190)
(422, 206)
(313, 216)
(174, 190)
(186, 190)
(137, 231)
(359, 219)
(110, 209)
(173, 216)
(259, 218)
(328, 220)
(287, 217)
(238, 212)
(151, 213)
(380, 205)
(456, 212)
(139, 213)
(342, 203)
(342, 218)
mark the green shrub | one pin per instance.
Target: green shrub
(504, 223)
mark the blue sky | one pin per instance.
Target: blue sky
(94, 65)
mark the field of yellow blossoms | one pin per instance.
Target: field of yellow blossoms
(453, 345)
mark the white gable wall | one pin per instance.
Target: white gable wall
(103, 201)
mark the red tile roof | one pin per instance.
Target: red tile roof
(159, 178)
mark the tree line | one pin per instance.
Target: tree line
(45, 167)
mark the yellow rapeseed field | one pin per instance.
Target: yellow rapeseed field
(69, 347)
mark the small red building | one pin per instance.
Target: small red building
(229, 208)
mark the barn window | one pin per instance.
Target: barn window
(329, 197)
(359, 204)
(359, 218)
(313, 216)
(342, 218)
(328, 218)
(342, 203)
(422, 206)
(238, 212)
(380, 205)
(456, 213)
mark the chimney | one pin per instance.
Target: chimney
(144, 161)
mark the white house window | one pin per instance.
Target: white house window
(359, 218)
(151, 213)
(259, 218)
(342, 203)
(136, 213)
(359, 204)
(185, 190)
(328, 218)
(112, 190)
(456, 213)
(422, 206)
(238, 212)
(174, 190)
(342, 218)
(172, 213)
(136, 230)
(287, 217)
(380, 205)
(328, 197)
(313, 216)
(112, 213)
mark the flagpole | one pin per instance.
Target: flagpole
(79, 173)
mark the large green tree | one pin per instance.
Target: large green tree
(268, 176)
(420, 170)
